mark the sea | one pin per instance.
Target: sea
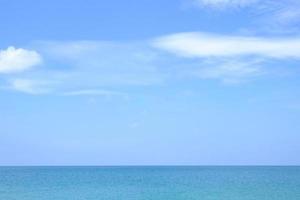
(150, 183)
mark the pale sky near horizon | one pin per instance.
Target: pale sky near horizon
(150, 82)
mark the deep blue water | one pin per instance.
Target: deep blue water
(151, 183)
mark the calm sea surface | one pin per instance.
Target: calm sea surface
(151, 183)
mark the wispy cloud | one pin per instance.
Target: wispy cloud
(267, 15)
(231, 59)
(221, 4)
(103, 68)
(103, 63)
(231, 71)
(73, 68)
(95, 92)
(28, 86)
(14, 60)
(279, 13)
(199, 44)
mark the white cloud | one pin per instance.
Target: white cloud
(231, 59)
(17, 60)
(122, 66)
(197, 44)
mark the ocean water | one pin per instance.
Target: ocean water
(150, 183)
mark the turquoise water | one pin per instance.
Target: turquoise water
(151, 183)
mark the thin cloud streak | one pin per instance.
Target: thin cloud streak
(271, 16)
(222, 4)
(231, 71)
(28, 86)
(94, 92)
(198, 44)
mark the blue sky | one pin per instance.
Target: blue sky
(145, 82)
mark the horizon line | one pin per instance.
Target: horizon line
(292, 165)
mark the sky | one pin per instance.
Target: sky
(149, 82)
